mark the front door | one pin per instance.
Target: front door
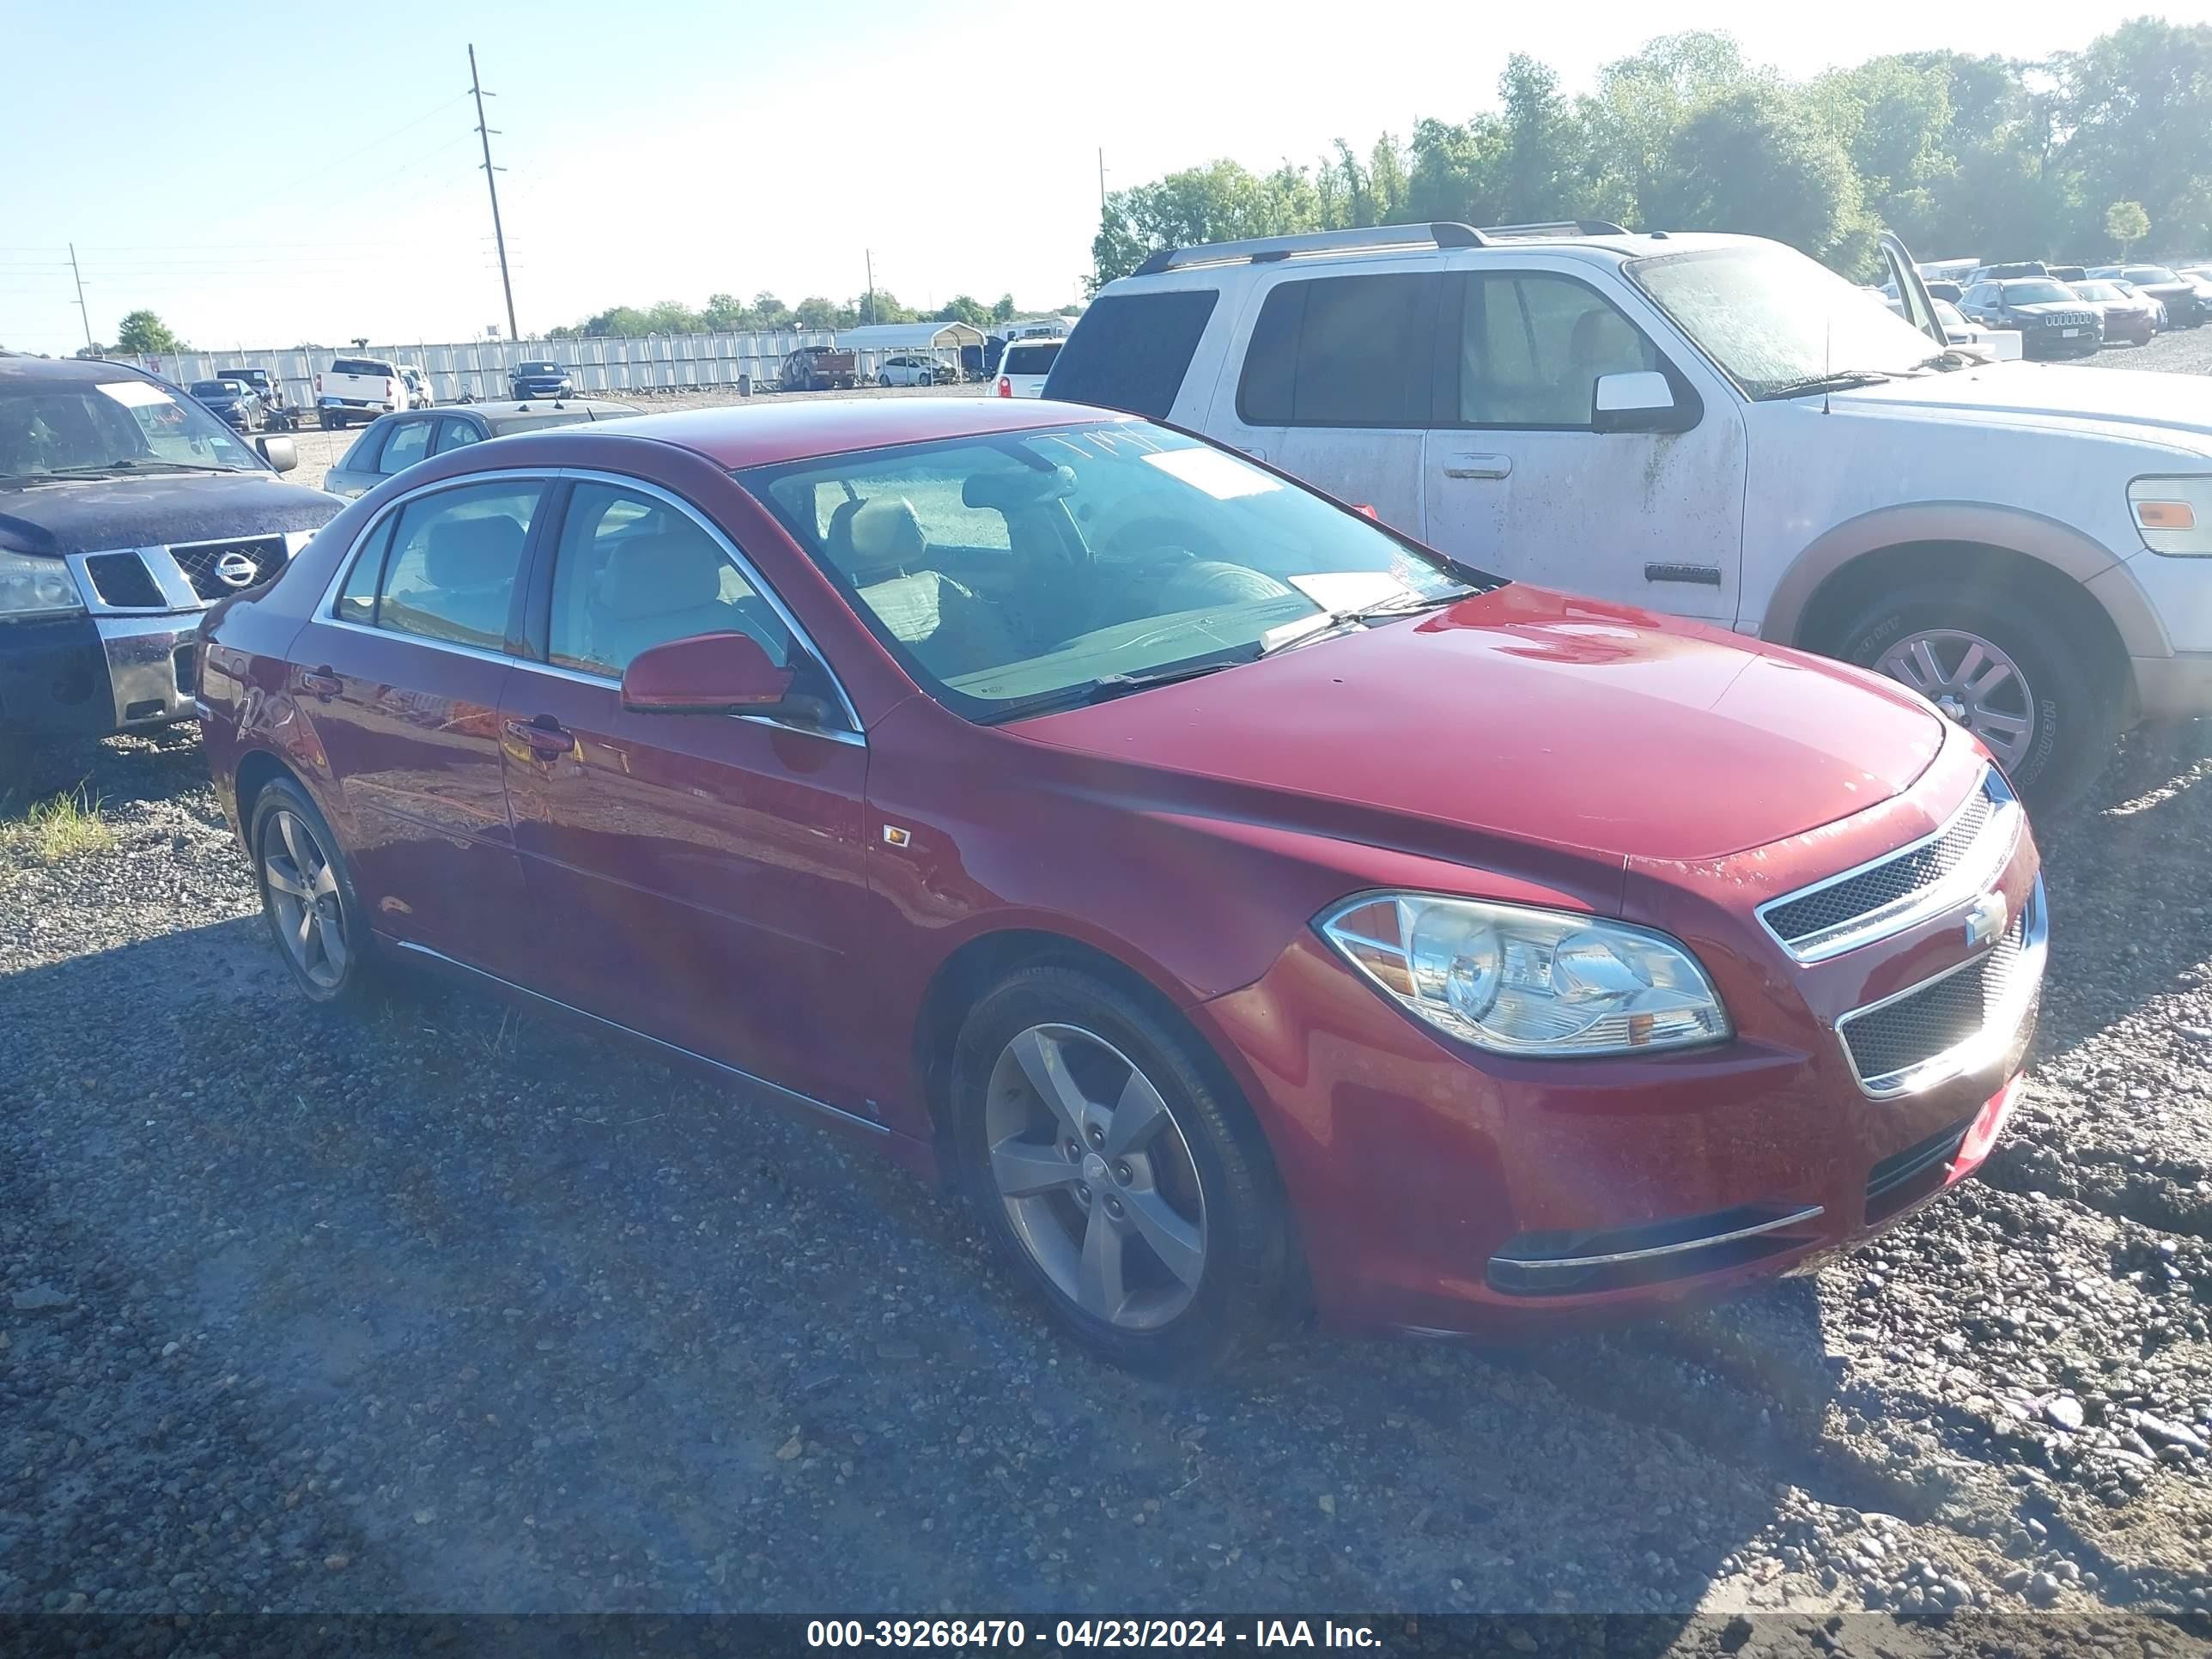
(704, 871)
(1518, 482)
(401, 683)
(1336, 386)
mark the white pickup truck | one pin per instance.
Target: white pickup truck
(358, 388)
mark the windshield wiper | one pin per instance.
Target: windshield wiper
(90, 468)
(1109, 686)
(1841, 381)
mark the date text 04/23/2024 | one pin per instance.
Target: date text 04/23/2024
(1088, 1633)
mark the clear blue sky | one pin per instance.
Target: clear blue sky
(666, 151)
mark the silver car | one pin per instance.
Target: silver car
(393, 443)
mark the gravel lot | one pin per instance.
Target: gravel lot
(446, 1308)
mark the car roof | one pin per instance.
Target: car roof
(79, 371)
(769, 433)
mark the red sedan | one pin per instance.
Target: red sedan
(1251, 907)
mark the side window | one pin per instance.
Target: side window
(453, 431)
(1342, 351)
(357, 600)
(1532, 347)
(631, 571)
(358, 458)
(451, 572)
(408, 442)
(1131, 351)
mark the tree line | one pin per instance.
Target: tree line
(2077, 156)
(723, 313)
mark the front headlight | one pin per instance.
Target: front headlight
(2174, 515)
(1524, 981)
(36, 587)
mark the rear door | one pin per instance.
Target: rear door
(1335, 383)
(1519, 482)
(400, 679)
(706, 870)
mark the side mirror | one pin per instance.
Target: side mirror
(281, 453)
(1640, 400)
(725, 673)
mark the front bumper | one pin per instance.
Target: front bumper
(85, 676)
(1445, 1191)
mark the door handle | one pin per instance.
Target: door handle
(321, 683)
(1478, 466)
(544, 737)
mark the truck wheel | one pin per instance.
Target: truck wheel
(1993, 662)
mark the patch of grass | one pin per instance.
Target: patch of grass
(64, 826)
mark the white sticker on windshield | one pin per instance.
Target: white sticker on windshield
(1222, 477)
(1350, 590)
(133, 394)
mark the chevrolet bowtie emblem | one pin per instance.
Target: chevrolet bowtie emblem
(1986, 921)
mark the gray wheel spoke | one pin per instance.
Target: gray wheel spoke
(334, 946)
(284, 877)
(288, 827)
(326, 882)
(1924, 664)
(1023, 1168)
(1138, 1115)
(1099, 1283)
(305, 931)
(2009, 727)
(1175, 1241)
(1041, 1062)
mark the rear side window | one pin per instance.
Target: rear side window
(453, 431)
(451, 572)
(1029, 359)
(360, 366)
(1130, 351)
(408, 443)
(1342, 351)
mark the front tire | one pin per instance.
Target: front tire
(1119, 1175)
(1993, 662)
(307, 898)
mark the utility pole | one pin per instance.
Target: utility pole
(498, 235)
(1102, 183)
(869, 310)
(81, 311)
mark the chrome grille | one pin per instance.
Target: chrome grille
(1901, 888)
(1943, 1026)
(204, 562)
(123, 580)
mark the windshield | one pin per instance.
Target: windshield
(55, 430)
(540, 369)
(2151, 274)
(2035, 294)
(2098, 291)
(1010, 574)
(1773, 320)
(1948, 314)
(214, 389)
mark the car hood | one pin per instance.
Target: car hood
(1539, 718)
(2160, 404)
(89, 515)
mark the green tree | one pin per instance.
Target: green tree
(1758, 162)
(1003, 310)
(143, 334)
(963, 309)
(2136, 107)
(1223, 202)
(2126, 223)
(816, 312)
(1640, 103)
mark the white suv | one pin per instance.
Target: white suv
(1718, 427)
(1024, 365)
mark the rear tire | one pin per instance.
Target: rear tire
(2050, 721)
(316, 918)
(1171, 1178)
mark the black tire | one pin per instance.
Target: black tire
(1244, 1285)
(2077, 708)
(277, 797)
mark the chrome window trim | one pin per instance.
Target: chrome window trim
(1991, 851)
(1997, 1030)
(326, 607)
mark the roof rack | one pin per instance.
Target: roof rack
(1262, 250)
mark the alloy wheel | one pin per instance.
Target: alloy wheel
(1095, 1175)
(1973, 681)
(303, 893)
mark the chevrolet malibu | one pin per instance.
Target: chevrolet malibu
(1254, 910)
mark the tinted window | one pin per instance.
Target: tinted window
(632, 572)
(360, 456)
(453, 431)
(1342, 351)
(1130, 350)
(1532, 347)
(357, 600)
(2035, 294)
(360, 366)
(2150, 274)
(451, 568)
(408, 442)
(1029, 359)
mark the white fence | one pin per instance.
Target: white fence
(478, 370)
